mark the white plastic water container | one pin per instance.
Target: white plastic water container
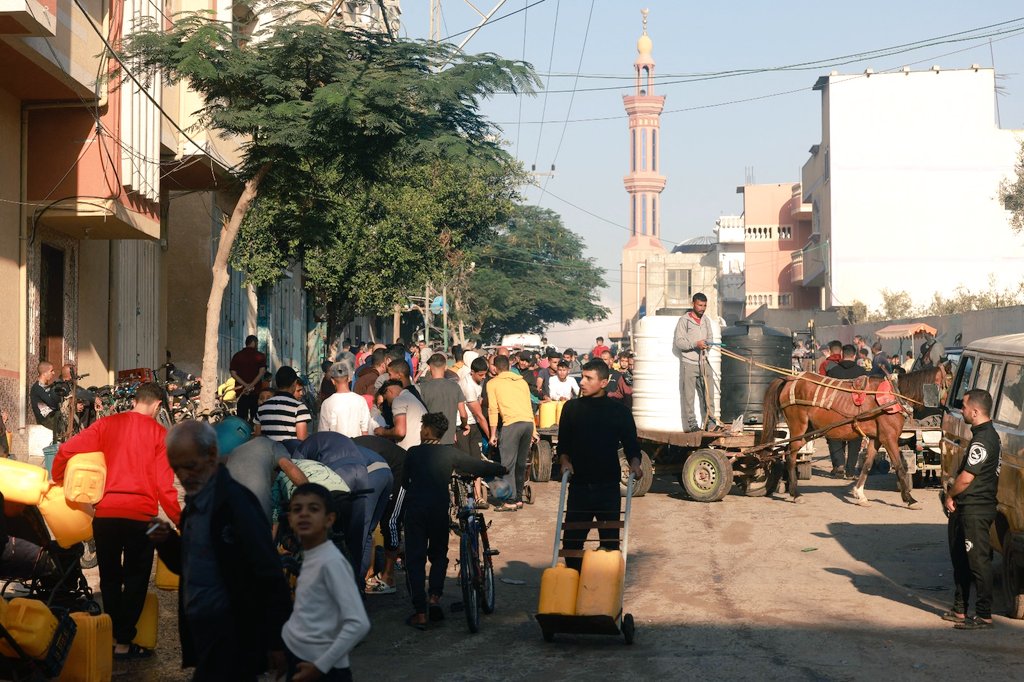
(656, 388)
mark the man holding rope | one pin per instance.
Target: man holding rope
(692, 341)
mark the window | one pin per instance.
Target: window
(677, 286)
(962, 381)
(633, 224)
(654, 215)
(654, 150)
(1011, 397)
(643, 214)
(643, 149)
(645, 81)
(634, 150)
(988, 374)
(828, 164)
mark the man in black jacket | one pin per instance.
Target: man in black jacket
(589, 435)
(233, 599)
(847, 368)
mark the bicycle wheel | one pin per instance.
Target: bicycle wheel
(487, 584)
(467, 577)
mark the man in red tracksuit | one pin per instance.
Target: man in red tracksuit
(835, 356)
(138, 478)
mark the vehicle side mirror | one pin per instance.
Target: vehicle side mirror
(930, 394)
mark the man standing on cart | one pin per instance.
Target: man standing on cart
(589, 436)
(692, 341)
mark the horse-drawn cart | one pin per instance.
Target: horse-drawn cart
(706, 463)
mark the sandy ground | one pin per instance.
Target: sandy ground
(745, 588)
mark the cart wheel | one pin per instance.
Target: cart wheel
(640, 487)
(628, 628)
(707, 475)
(549, 636)
(541, 461)
(527, 494)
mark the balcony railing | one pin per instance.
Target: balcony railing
(796, 271)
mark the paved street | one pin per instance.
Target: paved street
(745, 588)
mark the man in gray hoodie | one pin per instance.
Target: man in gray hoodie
(692, 341)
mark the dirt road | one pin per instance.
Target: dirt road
(745, 588)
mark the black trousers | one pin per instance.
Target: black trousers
(125, 558)
(840, 450)
(587, 502)
(247, 404)
(332, 675)
(426, 537)
(970, 551)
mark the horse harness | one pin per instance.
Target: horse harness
(828, 389)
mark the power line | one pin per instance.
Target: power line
(568, 112)
(544, 107)
(593, 119)
(494, 20)
(519, 116)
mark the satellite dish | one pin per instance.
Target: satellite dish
(437, 305)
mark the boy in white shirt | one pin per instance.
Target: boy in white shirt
(562, 386)
(328, 619)
(344, 412)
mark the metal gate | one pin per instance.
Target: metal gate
(137, 268)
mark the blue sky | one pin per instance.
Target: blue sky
(705, 150)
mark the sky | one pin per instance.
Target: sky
(716, 133)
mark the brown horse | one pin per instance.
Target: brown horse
(912, 386)
(810, 401)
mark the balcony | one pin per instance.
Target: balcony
(796, 270)
(729, 229)
(814, 262)
(798, 208)
(24, 18)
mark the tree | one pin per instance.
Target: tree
(854, 313)
(321, 107)
(530, 274)
(1012, 194)
(896, 305)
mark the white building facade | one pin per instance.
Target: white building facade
(904, 187)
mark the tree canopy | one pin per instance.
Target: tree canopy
(353, 145)
(1012, 194)
(531, 274)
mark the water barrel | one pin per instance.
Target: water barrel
(656, 404)
(743, 384)
(231, 433)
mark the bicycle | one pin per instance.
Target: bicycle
(476, 564)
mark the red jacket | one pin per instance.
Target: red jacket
(823, 366)
(138, 473)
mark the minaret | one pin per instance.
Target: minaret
(643, 183)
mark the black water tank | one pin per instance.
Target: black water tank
(744, 385)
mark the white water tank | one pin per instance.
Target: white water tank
(656, 390)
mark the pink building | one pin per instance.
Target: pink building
(776, 224)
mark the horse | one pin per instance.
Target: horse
(861, 407)
(911, 385)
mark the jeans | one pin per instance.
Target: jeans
(587, 502)
(514, 447)
(376, 503)
(426, 537)
(970, 550)
(125, 558)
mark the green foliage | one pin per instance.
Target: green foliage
(381, 166)
(1012, 195)
(964, 299)
(854, 313)
(531, 274)
(896, 305)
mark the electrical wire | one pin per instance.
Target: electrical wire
(494, 20)
(544, 107)
(568, 111)
(519, 116)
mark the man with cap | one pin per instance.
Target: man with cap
(344, 412)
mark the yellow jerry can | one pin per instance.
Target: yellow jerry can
(558, 588)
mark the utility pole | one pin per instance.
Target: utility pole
(435, 20)
(444, 313)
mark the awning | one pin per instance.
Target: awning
(905, 331)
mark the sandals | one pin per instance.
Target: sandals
(508, 507)
(413, 623)
(974, 623)
(952, 617)
(134, 652)
(378, 586)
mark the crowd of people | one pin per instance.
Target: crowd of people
(376, 450)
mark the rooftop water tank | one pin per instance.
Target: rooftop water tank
(743, 384)
(656, 394)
